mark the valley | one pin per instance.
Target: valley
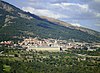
(39, 44)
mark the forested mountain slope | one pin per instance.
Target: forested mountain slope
(15, 22)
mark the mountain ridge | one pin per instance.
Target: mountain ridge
(68, 25)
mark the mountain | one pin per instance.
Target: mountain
(71, 26)
(15, 23)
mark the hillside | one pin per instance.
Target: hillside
(15, 22)
(71, 26)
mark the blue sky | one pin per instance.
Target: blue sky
(84, 13)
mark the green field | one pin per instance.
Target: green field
(21, 61)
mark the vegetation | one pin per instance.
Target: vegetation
(13, 26)
(17, 25)
(86, 52)
(21, 61)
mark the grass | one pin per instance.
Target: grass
(7, 68)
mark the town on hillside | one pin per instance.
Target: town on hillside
(50, 44)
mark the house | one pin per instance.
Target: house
(6, 43)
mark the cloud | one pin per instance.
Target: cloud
(64, 9)
(72, 10)
(76, 24)
(28, 9)
(97, 15)
(97, 0)
(98, 25)
(44, 12)
(71, 6)
(95, 5)
(61, 9)
(48, 1)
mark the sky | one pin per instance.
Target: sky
(85, 13)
